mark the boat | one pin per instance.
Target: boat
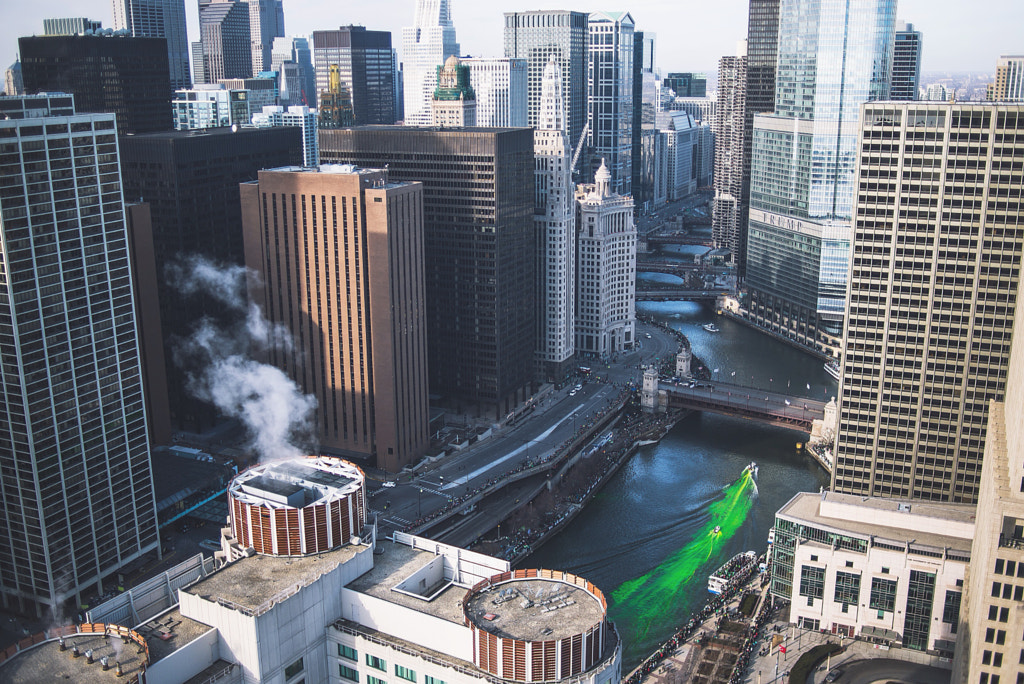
(833, 370)
(720, 579)
(752, 468)
(710, 327)
(717, 530)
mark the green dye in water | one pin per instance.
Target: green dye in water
(652, 598)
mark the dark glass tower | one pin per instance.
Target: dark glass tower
(225, 33)
(365, 68)
(120, 74)
(478, 197)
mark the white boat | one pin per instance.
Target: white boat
(833, 370)
(752, 468)
(710, 327)
(717, 530)
(719, 580)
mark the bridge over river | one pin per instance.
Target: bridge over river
(745, 402)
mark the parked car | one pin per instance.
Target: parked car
(387, 485)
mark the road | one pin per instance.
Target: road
(557, 418)
(742, 397)
(886, 670)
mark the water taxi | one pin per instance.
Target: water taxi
(719, 580)
(833, 370)
(710, 327)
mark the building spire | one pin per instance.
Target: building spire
(552, 108)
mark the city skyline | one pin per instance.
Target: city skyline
(965, 46)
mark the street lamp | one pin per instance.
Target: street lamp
(419, 503)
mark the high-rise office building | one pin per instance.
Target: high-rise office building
(120, 74)
(644, 75)
(687, 84)
(906, 63)
(535, 36)
(832, 57)
(266, 22)
(454, 103)
(190, 179)
(226, 39)
(70, 26)
(500, 85)
(479, 248)
(14, 84)
(426, 45)
(610, 96)
(933, 294)
(555, 220)
(990, 636)
(335, 102)
(297, 115)
(198, 63)
(159, 19)
(292, 59)
(209, 106)
(365, 64)
(261, 91)
(728, 211)
(682, 156)
(606, 269)
(1009, 84)
(762, 55)
(78, 502)
(359, 322)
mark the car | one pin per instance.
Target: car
(835, 674)
(387, 485)
(578, 387)
(572, 393)
(210, 544)
(648, 335)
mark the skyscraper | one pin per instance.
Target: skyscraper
(687, 84)
(120, 74)
(610, 96)
(500, 85)
(190, 180)
(1009, 85)
(728, 211)
(480, 251)
(159, 19)
(454, 102)
(535, 36)
(266, 22)
(833, 56)
(606, 269)
(555, 220)
(906, 64)
(425, 46)
(78, 491)
(14, 84)
(365, 64)
(933, 295)
(273, 116)
(643, 78)
(360, 324)
(226, 37)
(297, 82)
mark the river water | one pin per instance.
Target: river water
(647, 539)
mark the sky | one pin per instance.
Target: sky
(692, 34)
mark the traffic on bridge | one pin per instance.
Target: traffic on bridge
(745, 402)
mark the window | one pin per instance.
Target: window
(812, 582)
(348, 652)
(951, 609)
(293, 669)
(883, 595)
(405, 673)
(349, 673)
(427, 679)
(370, 679)
(376, 663)
(847, 588)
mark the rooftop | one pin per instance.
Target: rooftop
(251, 582)
(296, 482)
(534, 609)
(168, 632)
(395, 564)
(891, 520)
(47, 663)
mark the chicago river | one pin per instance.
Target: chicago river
(644, 538)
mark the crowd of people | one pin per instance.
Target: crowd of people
(715, 606)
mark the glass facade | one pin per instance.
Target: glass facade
(883, 595)
(365, 67)
(847, 589)
(917, 624)
(425, 46)
(833, 55)
(610, 96)
(812, 582)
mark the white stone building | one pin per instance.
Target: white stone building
(885, 570)
(605, 268)
(555, 218)
(500, 87)
(426, 45)
(296, 115)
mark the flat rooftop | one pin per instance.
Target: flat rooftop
(396, 563)
(47, 663)
(251, 582)
(166, 633)
(534, 609)
(806, 508)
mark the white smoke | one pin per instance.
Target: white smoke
(277, 415)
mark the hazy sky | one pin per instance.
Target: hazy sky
(692, 34)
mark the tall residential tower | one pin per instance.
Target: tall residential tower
(78, 498)
(906, 64)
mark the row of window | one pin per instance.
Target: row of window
(351, 674)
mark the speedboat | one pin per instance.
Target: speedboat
(833, 370)
(717, 530)
(710, 327)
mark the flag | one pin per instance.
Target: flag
(782, 649)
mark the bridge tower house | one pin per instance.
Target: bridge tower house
(649, 394)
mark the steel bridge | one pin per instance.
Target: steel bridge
(744, 402)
